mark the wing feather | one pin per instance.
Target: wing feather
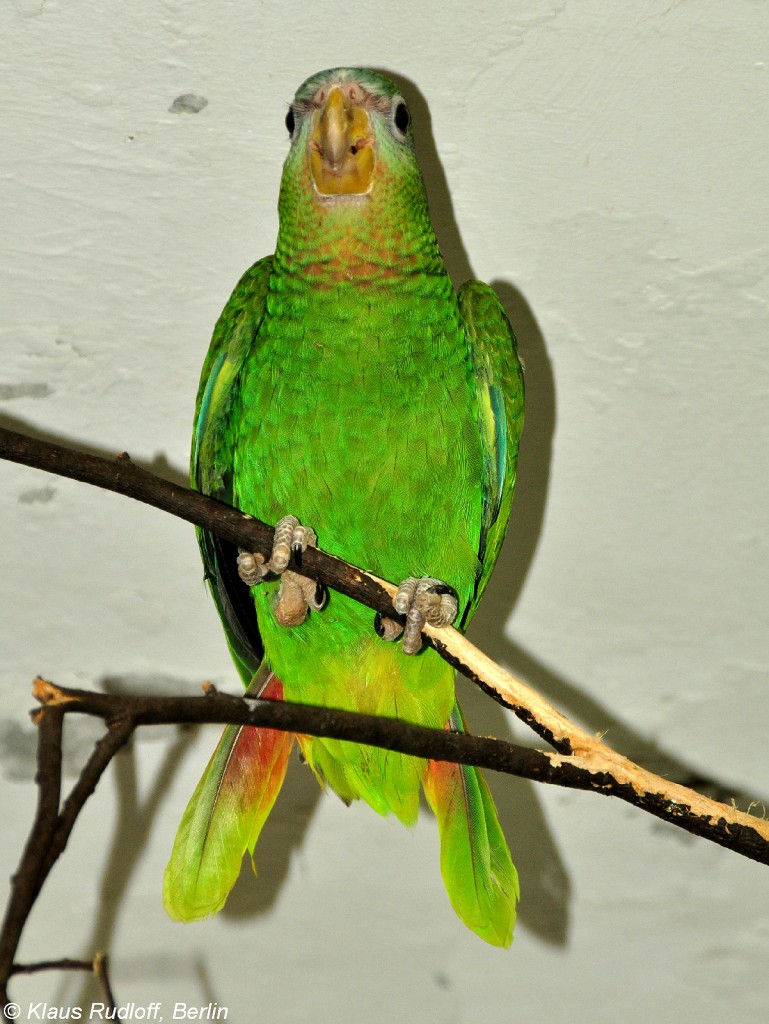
(499, 380)
(212, 449)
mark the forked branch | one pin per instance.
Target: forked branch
(580, 761)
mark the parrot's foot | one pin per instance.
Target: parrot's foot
(421, 601)
(290, 538)
(298, 594)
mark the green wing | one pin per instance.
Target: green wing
(499, 378)
(212, 456)
(235, 795)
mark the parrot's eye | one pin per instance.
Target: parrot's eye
(290, 121)
(402, 117)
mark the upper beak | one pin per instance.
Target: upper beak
(341, 146)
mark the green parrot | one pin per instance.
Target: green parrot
(351, 396)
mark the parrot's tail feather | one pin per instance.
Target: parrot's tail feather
(417, 690)
(477, 870)
(388, 782)
(226, 812)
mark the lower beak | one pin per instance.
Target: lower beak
(341, 147)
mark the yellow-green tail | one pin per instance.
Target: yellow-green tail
(236, 793)
(478, 872)
(226, 813)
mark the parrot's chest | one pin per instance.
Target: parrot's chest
(364, 423)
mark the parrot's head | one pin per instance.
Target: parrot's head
(352, 199)
(348, 127)
(351, 156)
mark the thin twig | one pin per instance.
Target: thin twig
(101, 970)
(118, 732)
(98, 967)
(65, 964)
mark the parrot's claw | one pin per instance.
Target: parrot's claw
(297, 593)
(424, 600)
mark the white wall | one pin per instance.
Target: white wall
(607, 166)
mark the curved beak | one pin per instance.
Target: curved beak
(341, 146)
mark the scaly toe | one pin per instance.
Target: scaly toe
(290, 538)
(437, 602)
(251, 567)
(283, 542)
(302, 538)
(290, 603)
(424, 600)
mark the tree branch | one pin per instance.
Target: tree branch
(602, 770)
(580, 748)
(51, 830)
(125, 477)
(581, 760)
(28, 880)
